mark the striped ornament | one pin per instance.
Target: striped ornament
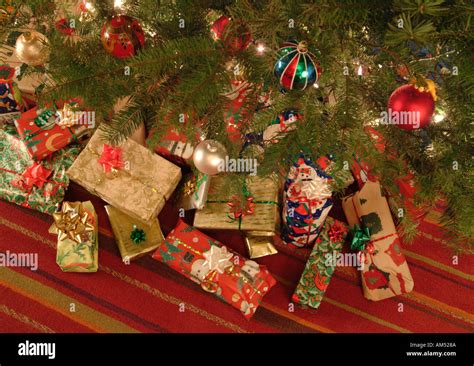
(295, 67)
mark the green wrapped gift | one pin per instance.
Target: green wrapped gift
(37, 185)
(320, 265)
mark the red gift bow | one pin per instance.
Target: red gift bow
(337, 232)
(111, 158)
(237, 210)
(35, 175)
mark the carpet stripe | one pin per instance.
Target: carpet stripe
(353, 310)
(153, 291)
(24, 319)
(59, 302)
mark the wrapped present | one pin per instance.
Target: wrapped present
(385, 272)
(133, 238)
(37, 185)
(320, 266)
(240, 282)
(258, 216)
(174, 146)
(129, 177)
(307, 202)
(193, 192)
(77, 230)
(406, 183)
(10, 96)
(45, 131)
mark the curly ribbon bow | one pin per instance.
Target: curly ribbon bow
(111, 158)
(360, 237)
(35, 175)
(238, 211)
(72, 222)
(337, 232)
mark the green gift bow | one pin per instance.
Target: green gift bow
(360, 237)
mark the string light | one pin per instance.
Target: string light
(260, 48)
(316, 85)
(439, 117)
(359, 70)
(118, 4)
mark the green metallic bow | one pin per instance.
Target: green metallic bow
(137, 235)
(360, 237)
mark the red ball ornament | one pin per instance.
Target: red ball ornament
(419, 104)
(122, 36)
(236, 39)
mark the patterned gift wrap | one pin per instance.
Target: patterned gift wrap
(174, 147)
(240, 282)
(320, 267)
(385, 273)
(41, 133)
(129, 177)
(40, 186)
(77, 229)
(307, 202)
(133, 238)
(220, 212)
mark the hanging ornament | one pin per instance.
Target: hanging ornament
(411, 107)
(295, 67)
(32, 48)
(209, 157)
(122, 36)
(236, 37)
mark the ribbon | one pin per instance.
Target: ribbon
(72, 222)
(137, 235)
(35, 175)
(111, 158)
(238, 211)
(337, 232)
(218, 259)
(360, 237)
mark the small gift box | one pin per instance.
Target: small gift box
(307, 202)
(37, 185)
(320, 266)
(240, 282)
(77, 230)
(385, 272)
(133, 238)
(129, 177)
(258, 216)
(193, 191)
(45, 131)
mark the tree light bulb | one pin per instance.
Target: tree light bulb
(118, 3)
(88, 5)
(439, 117)
(359, 70)
(316, 85)
(260, 48)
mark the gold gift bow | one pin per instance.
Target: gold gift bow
(209, 284)
(72, 222)
(115, 174)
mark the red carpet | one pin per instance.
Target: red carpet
(146, 296)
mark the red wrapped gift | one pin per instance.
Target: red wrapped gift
(175, 147)
(406, 184)
(236, 280)
(43, 133)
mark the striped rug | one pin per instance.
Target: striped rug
(147, 296)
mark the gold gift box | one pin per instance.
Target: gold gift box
(140, 188)
(266, 217)
(122, 226)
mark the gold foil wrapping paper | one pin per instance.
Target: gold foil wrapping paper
(140, 188)
(122, 226)
(259, 227)
(77, 230)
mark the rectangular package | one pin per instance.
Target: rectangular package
(136, 181)
(37, 185)
(385, 273)
(240, 282)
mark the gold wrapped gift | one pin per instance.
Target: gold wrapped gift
(133, 239)
(260, 220)
(76, 227)
(128, 177)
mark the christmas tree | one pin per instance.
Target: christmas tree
(335, 63)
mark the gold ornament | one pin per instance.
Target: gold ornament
(209, 157)
(32, 48)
